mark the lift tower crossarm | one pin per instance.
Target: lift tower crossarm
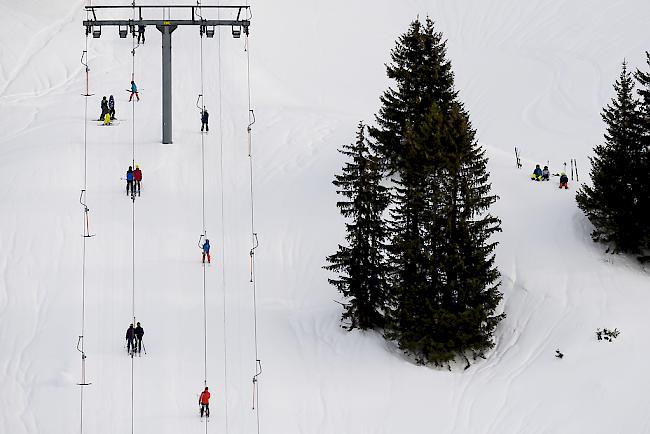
(196, 15)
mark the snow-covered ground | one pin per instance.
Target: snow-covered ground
(533, 74)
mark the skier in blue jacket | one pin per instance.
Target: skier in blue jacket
(206, 251)
(537, 174)
(134, 90)
(129, 180)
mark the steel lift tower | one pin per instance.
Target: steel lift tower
(194, 17)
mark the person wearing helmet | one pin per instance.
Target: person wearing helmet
(537, 174)
(204, 402)
(546, 174)
(137, 177)
(206, 251)
(564, 181)
(129, 181)
(130, 336)
(139, 333)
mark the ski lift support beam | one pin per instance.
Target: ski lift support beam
(166, 27)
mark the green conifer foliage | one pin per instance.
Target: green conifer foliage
(643, 78)
(443, 279)
(362, 263)
(614, 204)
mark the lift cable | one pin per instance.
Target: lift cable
(134, 45)
(86, 234)
(203, 224)
(223, 229)
(254, 238)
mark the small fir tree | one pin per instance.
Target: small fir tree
(614, 204)
(362, 263)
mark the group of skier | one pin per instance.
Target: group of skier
(135, 346)
(545, 175)
(134, 339)
(134, 335)
(108, 110)
(133, 180)
(108, 106)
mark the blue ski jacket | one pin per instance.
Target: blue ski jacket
(206, 246)
(129, 175)
(134, 88)
(537, 171)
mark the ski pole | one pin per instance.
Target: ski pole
(576, 164)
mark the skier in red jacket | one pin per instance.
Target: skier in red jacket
(137, 177)
(204, 402)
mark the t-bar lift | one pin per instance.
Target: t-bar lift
(166, 27)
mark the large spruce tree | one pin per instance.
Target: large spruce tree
(362, 263)
(614, 204)
(444, 283)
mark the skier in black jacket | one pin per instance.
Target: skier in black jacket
(105, 109)
(139, 333)
(204, 120)
(111, 106)
(130, 336)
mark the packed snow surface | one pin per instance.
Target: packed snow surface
(533, 74)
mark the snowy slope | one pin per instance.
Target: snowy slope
(533, 74)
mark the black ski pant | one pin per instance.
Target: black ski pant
(129, 187)
(136, 186)
(130, 345)
(205, 408)
(139, 344)
(204, 124)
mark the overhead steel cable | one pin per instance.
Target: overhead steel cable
(203, 223)
(133, 101)
(86, 235)
(254, 238)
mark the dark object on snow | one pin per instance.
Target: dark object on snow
(607, 335)
(546, 174)
(558, 354)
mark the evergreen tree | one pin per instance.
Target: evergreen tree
(446, 284)
(362, 262)
(614, 204)
(643, 79)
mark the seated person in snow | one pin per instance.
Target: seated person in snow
(546, 174)
(537, 174)
(564, 181)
